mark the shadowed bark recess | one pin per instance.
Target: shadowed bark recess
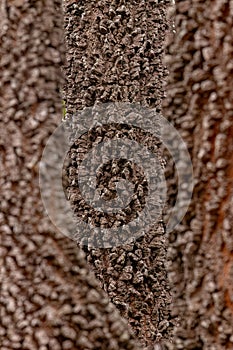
(200, 104)
(49, 299)
(114, 53)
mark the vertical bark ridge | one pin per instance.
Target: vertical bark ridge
(114, 53)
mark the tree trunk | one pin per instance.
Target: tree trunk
(200, 103)
(114, 53)
(49, 299)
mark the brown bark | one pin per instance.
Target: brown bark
(200, 104)
(49, 299)
(114, 53)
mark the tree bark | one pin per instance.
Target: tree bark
(49, 299)
(200, 103)
(114, 53)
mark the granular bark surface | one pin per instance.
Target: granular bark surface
(49, 299)
(200, 104)
(114, 54)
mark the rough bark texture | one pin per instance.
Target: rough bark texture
(114, 53)
(200, 104)
(49, 299)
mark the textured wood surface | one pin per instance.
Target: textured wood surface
(114, 53)
(49, 299)
(200, 104)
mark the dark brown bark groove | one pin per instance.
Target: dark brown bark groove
(49, 299)
(200, 104)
